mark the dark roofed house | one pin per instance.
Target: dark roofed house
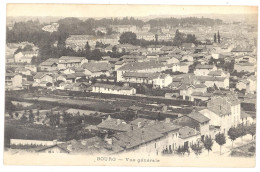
(50, 64)
(114, 125)
(96, 69)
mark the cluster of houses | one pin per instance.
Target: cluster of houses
(185, 72)
(153, 137)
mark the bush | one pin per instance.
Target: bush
(251, 149)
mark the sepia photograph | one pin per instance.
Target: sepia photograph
(130, 85)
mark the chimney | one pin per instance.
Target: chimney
(118, 121)
(69, 147)
(139, 125)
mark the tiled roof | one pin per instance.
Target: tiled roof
(210, 78)
(200, 66)
(113, 87)
(97, 67)
(198, 117)
(141, 66)
(39, 75)
(201, 94)
(245, 64)
(186, 132)
(114, 124)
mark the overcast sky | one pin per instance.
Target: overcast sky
(69, 10)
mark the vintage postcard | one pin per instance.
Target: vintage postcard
(130, 85)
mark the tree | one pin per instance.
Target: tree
(218, 37)
(220, 138)
(215, 38)
(128, 38)
(114, 49)
(31, 116)
(24, 118)
(208, 143)
(156, 38)
(87, 47)
(233, 134)
(178, 38)
(241, 129)
(197, 148)
(11, 114)
(16, 114)
(38, 112)
(252, 130)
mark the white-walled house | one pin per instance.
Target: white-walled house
(94, 69)
(141, 67)
(157, 79)
(13, 81)
(148, 140)
(71, 61)
(42, 77)
(113, 89)
(188, 136)
(223, 111)
(204, 70)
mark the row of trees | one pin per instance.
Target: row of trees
(220, 139)
(217, 38)
(240, 131)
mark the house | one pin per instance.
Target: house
(156, 79)
(245, 59)
(146, 36)
(71, 61)
(184, 67)
(25, 56)
(51, 28)
(124, 28)
(168, 60)
(210, 81)
(23, 71)
(245, 67)
(188, 136)
(203, 70)
(40, 77)
(147, 67)
(78, 42)
(187, 58)
(186, 90)
(194, 120)
(94, 69)
(246, 118)
(153, 55)
(154, 48)
(113, 89)
(247, 84)
(50, 64)
(223, 111)
(151, 140)
(13, 81)
(113, 125)
(200, 96)
(72, 70)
